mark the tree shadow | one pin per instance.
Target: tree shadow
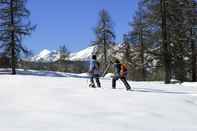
(42, 73)
(150, 90)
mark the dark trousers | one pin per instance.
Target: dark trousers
(96, 77)
(123, 79)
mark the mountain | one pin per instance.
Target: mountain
(46, 56)
(84, 54)
(51, 56)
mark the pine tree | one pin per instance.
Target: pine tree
(64, 53)
(173, 20)
(193, 36)
(128, 55)
(180, 21)
(104, 37)
(126, 49)
(14, 25)
(142, 37)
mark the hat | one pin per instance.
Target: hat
(94, 57)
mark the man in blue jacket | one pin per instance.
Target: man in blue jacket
(94, 72)
(119, 74)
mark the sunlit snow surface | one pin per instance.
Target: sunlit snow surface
(44, 101)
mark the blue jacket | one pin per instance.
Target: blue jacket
(94, 69)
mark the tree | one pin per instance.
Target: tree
(14, 26)
(193, 19)
(64, 53)
(157, 22)
(143, 37)
(128, 55)
(138, 36)
(180, 19)
(173, 20)
(104, 36)
(126, 49)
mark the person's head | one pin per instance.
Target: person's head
(117, 61)
(94, 57)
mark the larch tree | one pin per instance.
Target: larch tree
(104, 37)
(64, 53)
(14, 26)
(173, 21)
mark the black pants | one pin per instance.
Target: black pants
(123, 79)
(96, 77)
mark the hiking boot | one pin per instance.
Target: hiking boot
(129, 89)
(91, 85)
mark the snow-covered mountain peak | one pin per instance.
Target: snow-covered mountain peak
(46, 56)
(51, 56)
(44, 52)
(84, 54)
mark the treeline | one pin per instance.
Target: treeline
(61, 66)
(66, 66)
(161, 44)
(164, 30)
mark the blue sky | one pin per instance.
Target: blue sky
(71, 22)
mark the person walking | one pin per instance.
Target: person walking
(94, 72)
(120, 72)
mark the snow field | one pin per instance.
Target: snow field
(41, 103)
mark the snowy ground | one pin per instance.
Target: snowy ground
(44, 103)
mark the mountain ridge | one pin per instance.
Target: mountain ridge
(50, 56)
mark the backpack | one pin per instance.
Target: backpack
(123, 70)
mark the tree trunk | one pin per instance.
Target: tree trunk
(142, 49)
(105, 51)
(13, 53)
(193, 61)
(166, 56)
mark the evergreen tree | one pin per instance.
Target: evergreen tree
(14, 25)
(126, 49)
(128, 56)
(173, 20)
(64, 53)
(143, 38)
(138, 37)
(104, 37)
